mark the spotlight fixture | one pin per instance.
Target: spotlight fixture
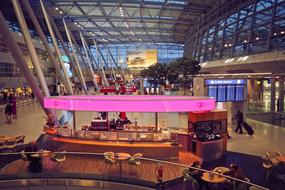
(245, 41)
(282, 32)
(275, 34)
(257, 38)
(60, 12)
(56, 8)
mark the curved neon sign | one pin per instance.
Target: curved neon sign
(130, 103)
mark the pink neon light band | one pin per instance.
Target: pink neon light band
(130, 103)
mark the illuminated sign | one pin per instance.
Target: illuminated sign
(131, 103)
(141, 58)
(225, 82)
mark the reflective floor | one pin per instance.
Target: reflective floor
(31, 120)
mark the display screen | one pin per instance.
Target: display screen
(239, 93)
(226, 93)
(230, 93)
(212, 91)
(222, 93)
(204, 126)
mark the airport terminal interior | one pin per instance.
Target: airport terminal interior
(142, 94)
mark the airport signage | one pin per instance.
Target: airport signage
(225, 82)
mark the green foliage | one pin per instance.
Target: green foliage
(180, 71)
(156, 73)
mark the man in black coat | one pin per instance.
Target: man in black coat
(8, 112)
(240, 121)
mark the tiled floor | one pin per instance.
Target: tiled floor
(31, 120)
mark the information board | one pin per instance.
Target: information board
(226, 93)
(239, 93)
(212, 91)
(230, 93)
(222, 93)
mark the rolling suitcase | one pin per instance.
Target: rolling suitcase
(248, 128)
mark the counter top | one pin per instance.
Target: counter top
(114, 143)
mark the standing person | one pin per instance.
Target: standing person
(122, 115)
(14, 106)
(10, 97)
(278, 105)
(32, 95)
(197, 175)
(239, 118)
(8, 112)
(5, 95)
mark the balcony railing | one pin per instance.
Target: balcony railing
(95, 169)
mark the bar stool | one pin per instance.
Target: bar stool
(135, 161)
(109, 160)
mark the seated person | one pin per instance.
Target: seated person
(103, 115)
(113, 124)
(119, 124)
(35, 162)
(235, 172)
(197, 175)
(127, 121)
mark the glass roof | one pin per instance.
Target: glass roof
(121, 21)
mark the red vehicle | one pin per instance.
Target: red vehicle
(122, 89)
(107, 89)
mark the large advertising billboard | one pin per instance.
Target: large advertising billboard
(141, 58)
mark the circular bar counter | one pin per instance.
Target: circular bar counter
(151, 149)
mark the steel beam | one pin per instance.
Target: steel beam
(20, 61)
(111, 66)
(89, 62)
(45, 43)
(80, 76)
(120, 70)
(73, 64)
(30, 45)
(100, 62)
(69, 86)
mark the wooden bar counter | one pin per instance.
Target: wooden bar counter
(160, 149)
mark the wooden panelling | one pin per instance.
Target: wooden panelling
(207, 116)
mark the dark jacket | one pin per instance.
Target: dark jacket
(240, 117)
(8, 109)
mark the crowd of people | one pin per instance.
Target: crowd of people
(19, 93)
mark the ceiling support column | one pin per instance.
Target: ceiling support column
(30, 45)
(80, 76)
(21, 62)
(45, 43)
(89, 62)
(120, 69)
(100, 63)
(68, 85)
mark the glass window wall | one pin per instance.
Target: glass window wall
(253, 28)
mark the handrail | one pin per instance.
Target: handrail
(148, 159)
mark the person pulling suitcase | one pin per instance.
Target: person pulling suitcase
(240, 121)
